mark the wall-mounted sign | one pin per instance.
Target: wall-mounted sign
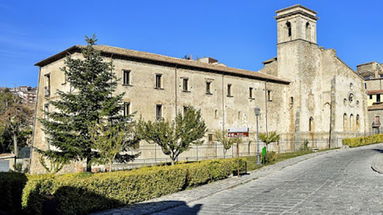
(238, 132)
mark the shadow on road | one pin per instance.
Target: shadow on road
(178, 207)
(378, 150)
(81, 201)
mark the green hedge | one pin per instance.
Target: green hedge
(361, 141)
(83, 193)
(11, 188)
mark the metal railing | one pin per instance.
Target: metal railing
(151, 154)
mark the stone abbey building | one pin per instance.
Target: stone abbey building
(305, 93)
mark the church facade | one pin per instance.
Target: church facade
(305, 94)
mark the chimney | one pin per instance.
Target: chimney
(208, 60)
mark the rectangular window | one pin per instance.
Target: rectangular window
(208, 90)
(250, 92)
(65, 79)
(378, 98)
(158, 81)
(370, 96)
(365, 85)
(229, 90)
(185, 84)
(269, 95)
(126, 108)
(126, 77)
(158, 112)
(210, 137)
(47, 85)
(46, 110)
(185, 109)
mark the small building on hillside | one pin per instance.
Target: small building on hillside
(373, 75)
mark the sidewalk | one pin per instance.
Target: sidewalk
(187, 196)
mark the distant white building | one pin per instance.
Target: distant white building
(26, 93)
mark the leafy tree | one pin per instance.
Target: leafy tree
(175, 137)
(7, 99)
(5, 139)
(270, 137)
(113, 140)
(226, 141)
(16, 121)
(91, 100)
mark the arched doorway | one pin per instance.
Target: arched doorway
(345, 122)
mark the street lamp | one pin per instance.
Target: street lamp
(257, 113)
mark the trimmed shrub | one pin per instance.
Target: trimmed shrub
(85, 193)
(361, 141)
(212, 170)
(11, 188)
(271, 157)
(197, 174)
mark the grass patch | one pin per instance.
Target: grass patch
(252, 160)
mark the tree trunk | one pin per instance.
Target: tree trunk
(173, 158)
(237, 150)
(88, 165)
(15, 149)
(111, 162)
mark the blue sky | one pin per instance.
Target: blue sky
(239, 33)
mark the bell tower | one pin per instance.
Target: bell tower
(296, 23)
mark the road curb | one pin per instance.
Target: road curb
(377, 164)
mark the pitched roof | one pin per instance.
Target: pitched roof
(116, 52)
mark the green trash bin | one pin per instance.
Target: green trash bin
(264, 152)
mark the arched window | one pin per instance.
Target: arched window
(345, 122)
(311, 124)
(288, 25)
(216, 114)
(357, 122)
(308, 31)
(351, 122)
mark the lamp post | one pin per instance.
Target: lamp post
(257, 113)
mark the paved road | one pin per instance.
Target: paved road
(335, 183)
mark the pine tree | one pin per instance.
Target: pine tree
(89, 101)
